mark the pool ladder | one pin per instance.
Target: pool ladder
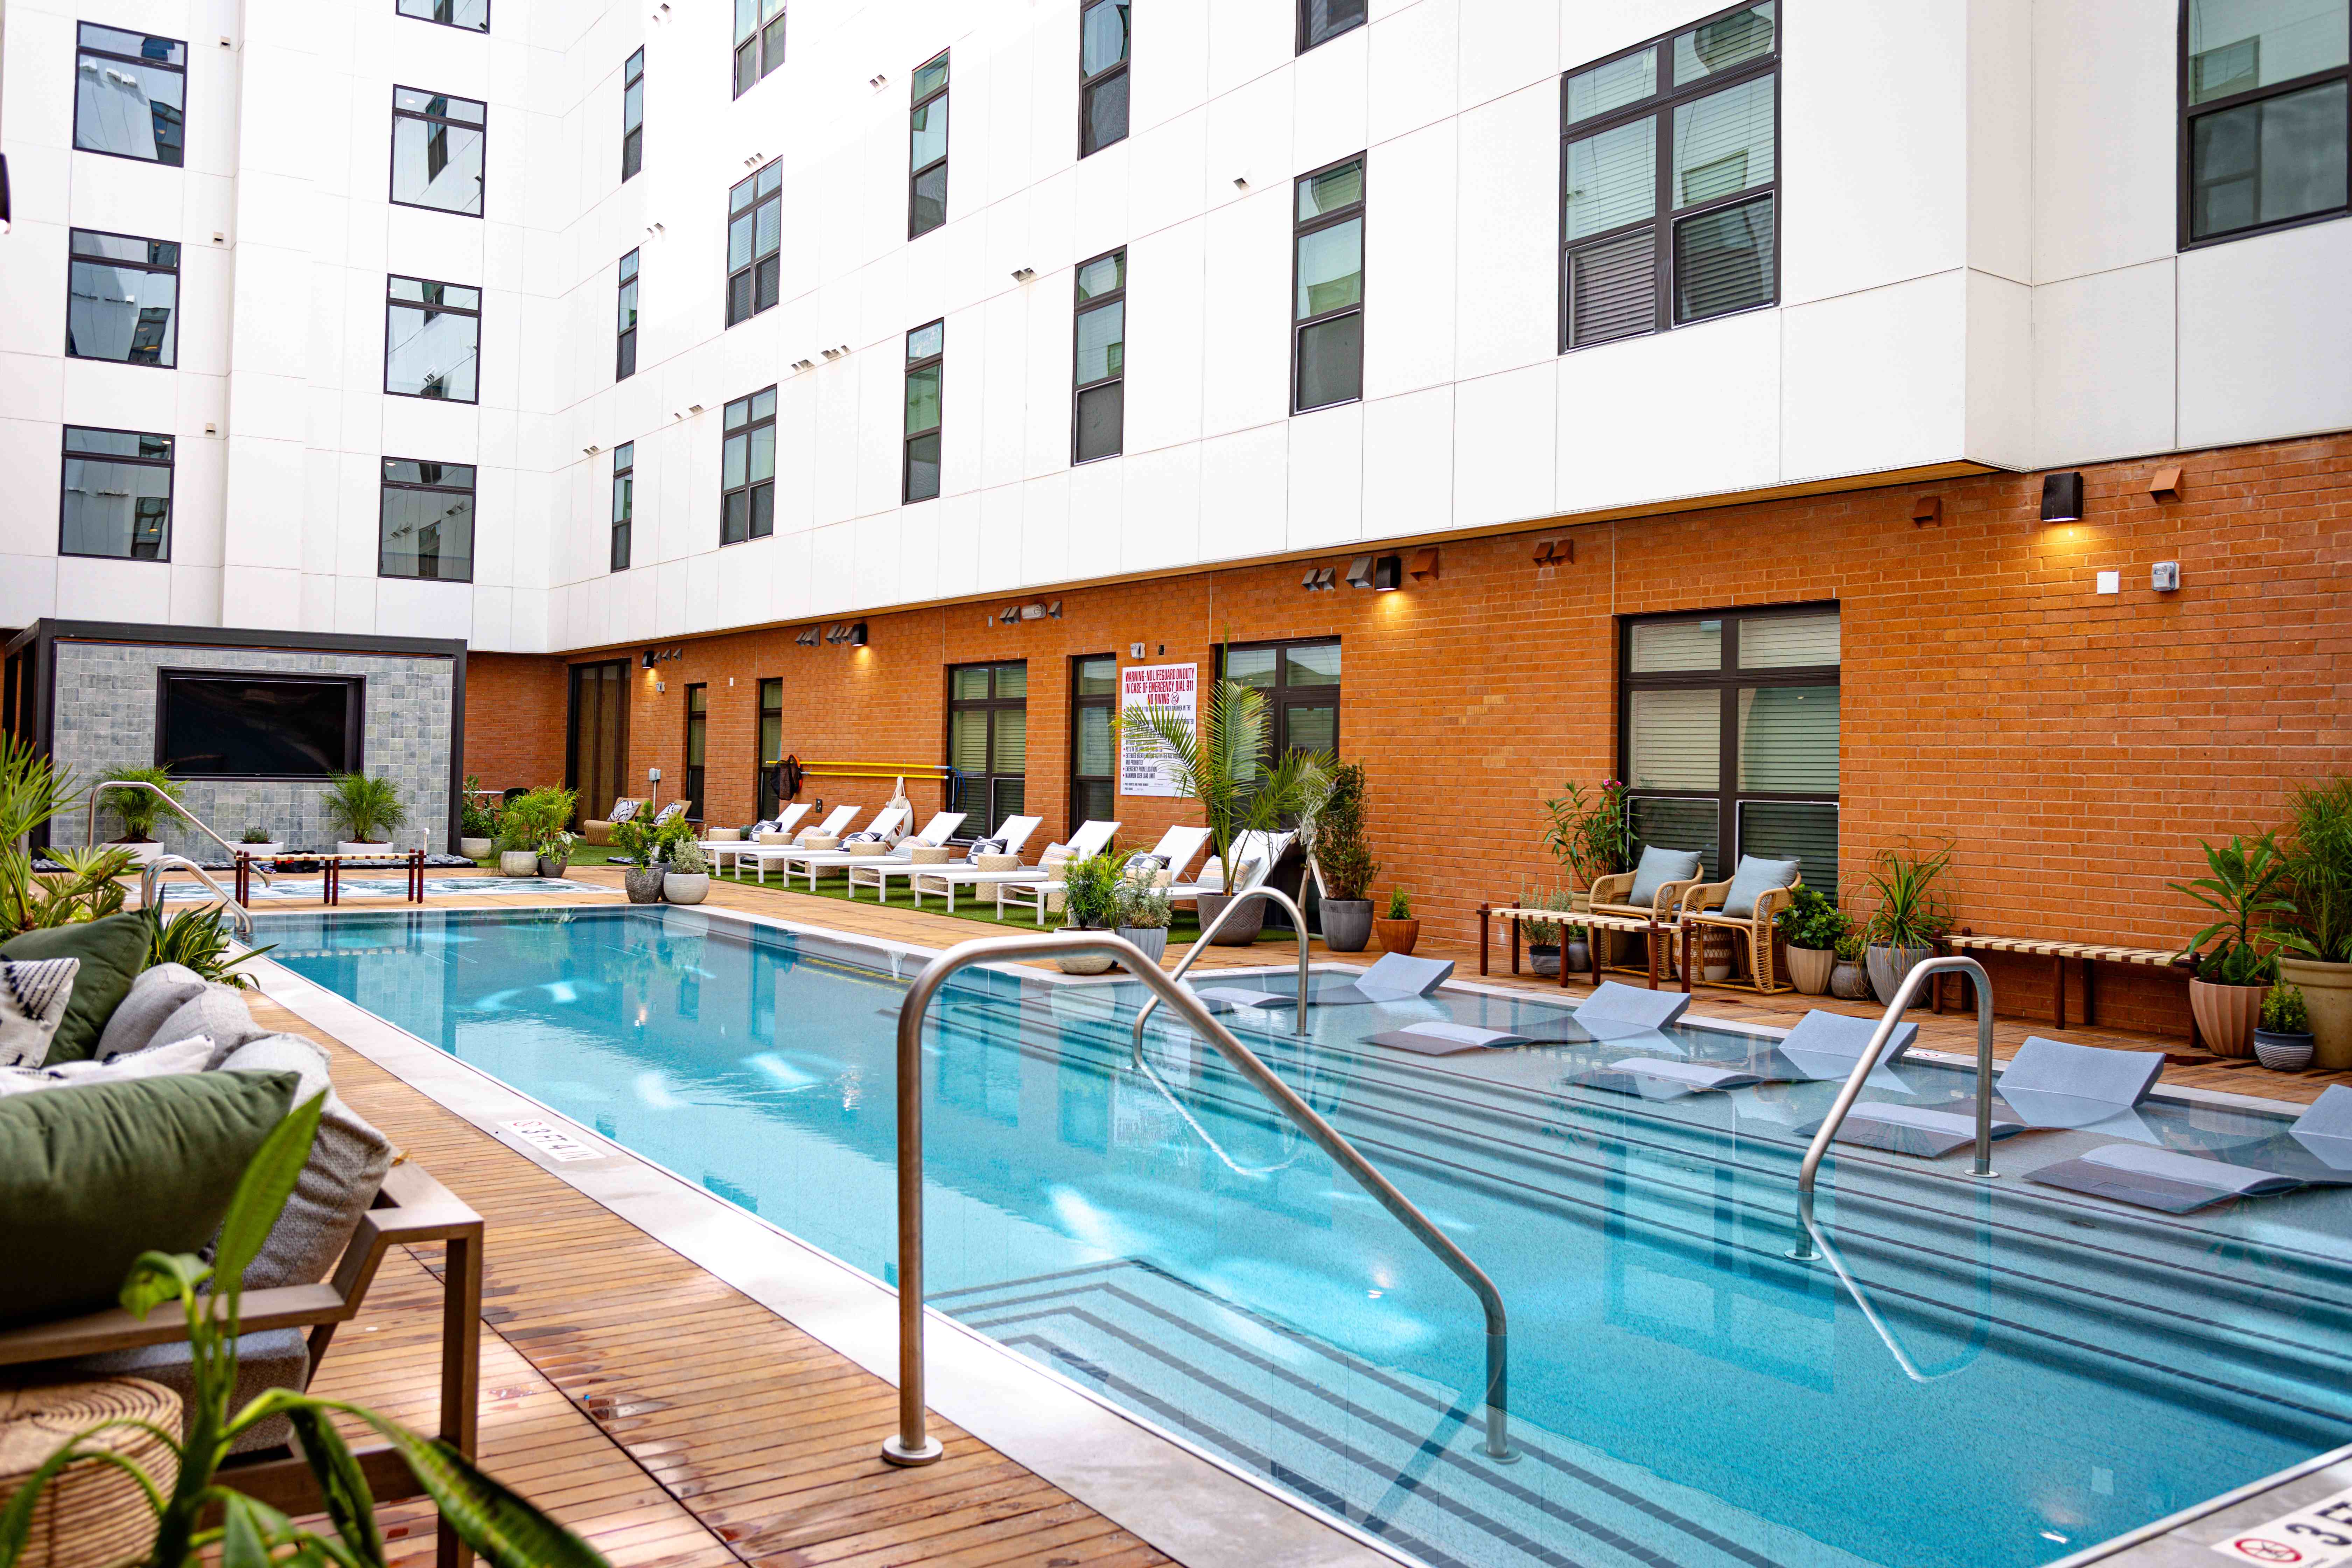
(912, 1443)
(151, 873)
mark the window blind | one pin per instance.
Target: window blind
(1612, 289)
(1786, 642)
(1804, 832)
(1788, 739)
(1677, 739)
(1679, 825)
(1661, 646)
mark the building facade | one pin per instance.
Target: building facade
(587, 332)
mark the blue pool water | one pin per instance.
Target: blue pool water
(2037, 1371)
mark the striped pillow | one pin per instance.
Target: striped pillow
(33, 997)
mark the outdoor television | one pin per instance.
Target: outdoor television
(220, 725)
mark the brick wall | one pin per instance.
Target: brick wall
(2072, 746)
(514, 718)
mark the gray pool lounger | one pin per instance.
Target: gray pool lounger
(2316, 1151)
(2048, 1084)
(1822, 1046)
(1443, 1038)
(1395, 978)
(1613, 1012)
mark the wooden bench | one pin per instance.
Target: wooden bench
(2090, 954)
(1512, 913)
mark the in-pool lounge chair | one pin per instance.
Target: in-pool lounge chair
(1395, 978)
(1822, 1046)
(763, 856)
(2048, 1085)
(935, 834)
(1174, 852)
(2315, 1150)
(815, 863)
(1012, 834)
(1611, 1011)
(725, 843)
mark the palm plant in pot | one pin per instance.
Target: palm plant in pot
(1089, 902)
(1911, 915)
(1144, 917)
(2246, 886)
(2317, 956)
(1343, 861)
(534, 823)
(367, 811)
(1811, 926)
(141, 810)
(477, 824)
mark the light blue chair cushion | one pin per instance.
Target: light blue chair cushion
(1659, 866)
(1754, 878)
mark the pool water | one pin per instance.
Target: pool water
(1986, 1373)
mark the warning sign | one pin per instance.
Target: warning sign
(2316, 1536)
(1143, 764)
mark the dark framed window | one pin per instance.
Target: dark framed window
(432, 340)
(633, 116)
(624, 341)
(596, 734)
(747, 469)
(1103, 43)
(2265, 115)
(759, 41)
(771, 745)
(210, 725)
(625, 501)
(438, 145)
(1094, 753)
(988, 743)
(122, 298)
(1320, 21)
(1099, 400)
(1301, 681)
(926, 148)
(427, 520)
(116, 499)
(926, 363)
(1728, 727)
(697, 735)
(1669, 180)
(473, 15)
(131, 95)
(755, 235)
(1327, 286)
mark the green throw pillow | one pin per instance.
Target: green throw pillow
(92, 1176)
(112, 953)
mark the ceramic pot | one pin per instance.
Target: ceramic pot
(2226, 1016)
(1889, 965)
(143, 850)
(1543, 957)
(475, 848)
(262, 851)
(686, 888)
(519, 863)
(1151, 941)
(365, 847)
(1848, 980)
(2327, 996)
(1396, 936)
(554, 865)
(1809, 969)
(642, 883)
(1347, 924)
(1579, 955)
(2283, 1053)
(1085, 962)
(1239, 931)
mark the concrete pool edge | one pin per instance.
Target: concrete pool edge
(2192, 1536)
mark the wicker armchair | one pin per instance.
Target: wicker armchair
(1608, 898)
(1701, 904)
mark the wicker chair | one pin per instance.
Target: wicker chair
(1701, 904)
(1608, 898)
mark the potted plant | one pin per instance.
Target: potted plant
(687, 879)
(1343, 860)
(1846, 977)
(1543, 937)
(140, 810)
(257, 842)
(2282, 1038)
(1911, 913)
(477, 825)
(641, 869)
(2317, 955)
(367, 811)
(1223, 762)
(1089, 902)
(1144, 916)
(552, 854)
(1400, 931)
(1590, 840)
(1811, 926)
(2246, 885)
(529, 821)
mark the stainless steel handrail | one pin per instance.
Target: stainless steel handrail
(911, 1445)
(1804, 1252)
(151, 873)
(1201, 942)
(89, 827)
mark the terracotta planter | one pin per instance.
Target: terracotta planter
(1347, 924)
(1809, 969)
(2226, 1016)
(1848, 981)
(1239, 931)
(642, 883)
(2328, 996)
(1396, 936)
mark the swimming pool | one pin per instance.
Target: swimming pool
(2036, 1371)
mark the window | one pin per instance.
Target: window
(1103, 42)
(747, 500)
(633, 116)
(697, 734)
(436, 151)
(1094, 759)
(624, 350)
(1099, 419)
(926, 356)
(131, 95)
(427, 520)
(432, 340)
(1730, 727)
(926, 149)
(772, 746)
(1301, 682)
(1328, 358)
(988, 743)
(755, 234)
(2265, 132)
(1669, 161)
(117, 497)
(759, 41)
(1320, 21)
(122, 299)
(215, 726)
(474, 16)
(624, 500)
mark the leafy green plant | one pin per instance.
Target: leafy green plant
(1223, 762)
(1090, 890)
(1811, 920)
(250, 1533)
(1341, 855)
(1143, 908)
(633, 842)
(2283, 1012)
(1399, 904)
(33, 792)
(2246, 886)
(1590, 838)
(199, 939)
(671, 839)
(139, 810)
(532, 819)
(254, 835)
(1541, 934)
(476, 820)
(1849, 947)
(362, 808)
(2318, 854)
(1911, 911)
(687, 858)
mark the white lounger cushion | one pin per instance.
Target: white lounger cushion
(940, 828)
(1616, 1012)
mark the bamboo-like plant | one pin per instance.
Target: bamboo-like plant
(1912, 911)
(2318, 855)
(1590, 840)
(502, 1527)
(2247, 886)
(1222, 763)
(141, 809)
(363, 808)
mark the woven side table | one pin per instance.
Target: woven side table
(93, 1516)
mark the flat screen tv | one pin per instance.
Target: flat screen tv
(223, 726)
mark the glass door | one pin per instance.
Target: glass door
(772, 746)
(596, 735)
(988, 743)
(1093, 696)
(697, 734)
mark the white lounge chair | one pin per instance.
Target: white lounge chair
(761, 856)
(944, 880)
(815, 863)
(723, 851)
(1256, 853)
(1176, 848)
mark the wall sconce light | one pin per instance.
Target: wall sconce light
(850, 632)
(1240, 182)
(2062, 497)
(751, 159)
(650, 657)
(1320, 579)
(1424, 566)
(808, 636)
(694, 408)
(1928, 511)
(1023, 274)
(1359, 572)
(857, 637)
(1380, 573)
(877, 81)
(592, 448)
(1553, 552)
(830, 353)
(2165, 484)
(800, 364)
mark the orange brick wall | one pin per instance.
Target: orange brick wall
(514, 718)
(2072, 746)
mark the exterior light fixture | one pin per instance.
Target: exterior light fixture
(1388, 573)
(2062, 497)
(808, 636)
(1553, 552)
(592, 448)
(1424, 566)
(694, 408)
(650, 657)
(857, 637)
(1023, 274)
(1320, 579)
(1359, 572)
(1928, 511)
(2165, 484)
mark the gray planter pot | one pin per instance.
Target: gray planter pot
(1243, 929)
(1848, 980)
(681, 888)
(1152, 940)
(1544, 957)
(1579, 955)
(2283, 1053)
(475, 848)
(643, 884)
(519, 863)
(1347, 924)
(551, 866)
(1889, 965)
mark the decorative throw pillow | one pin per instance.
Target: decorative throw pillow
(984, 846)
(33, 1002)
(1143, 866)
(622, 811)
(338, 1183)
(672, 809)
(219, 1011)
(180, 1055)
(1754, 878)
(861, 839)
(112, 952)
(1658, 867)
(155, 995)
